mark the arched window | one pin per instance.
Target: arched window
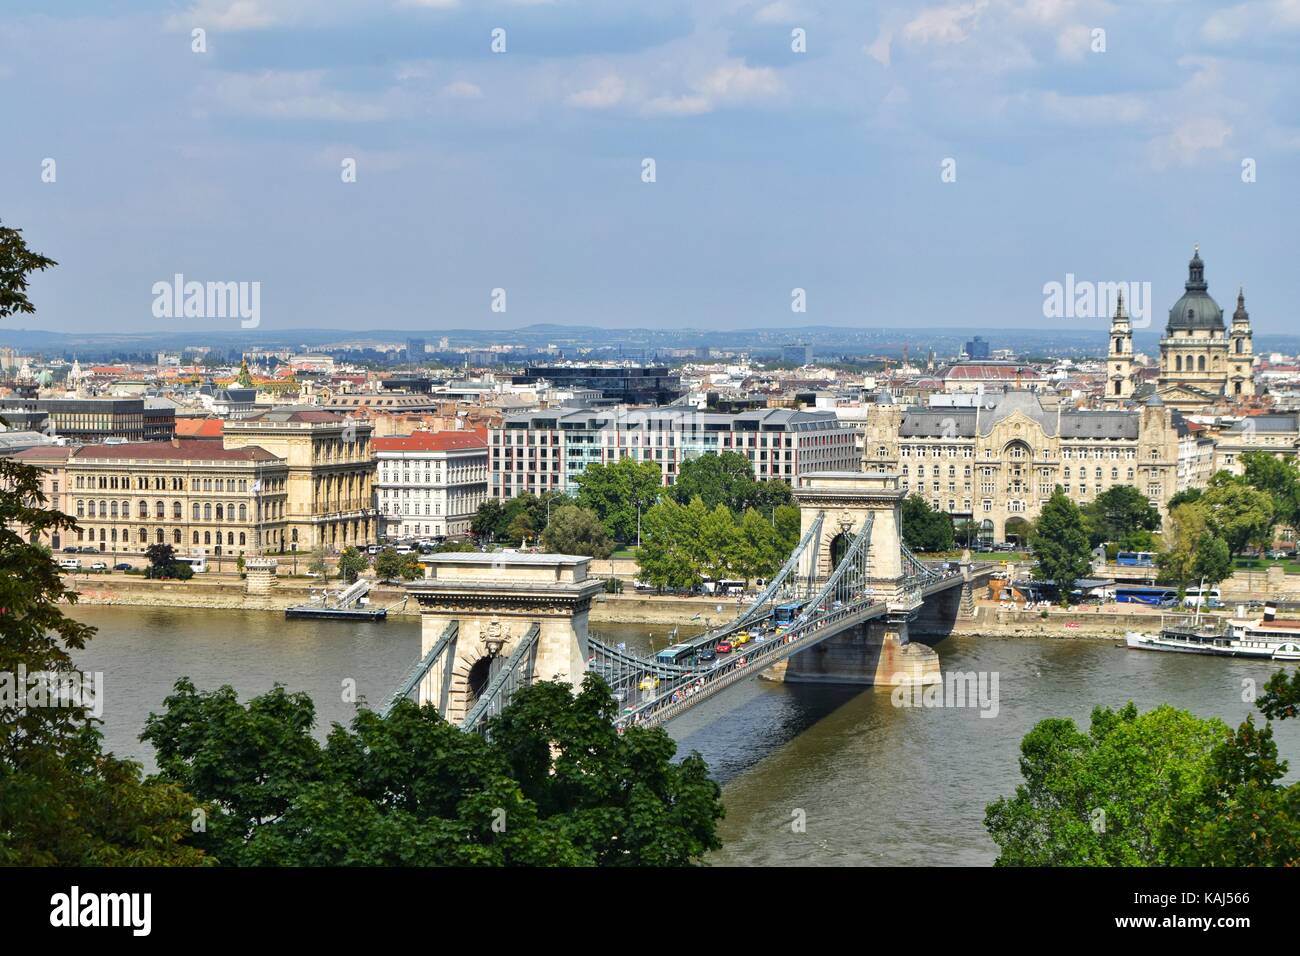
(159, 536)
(159, 510)
(207, 511)
(1241, 343)
(207, 537)
(144, 536)
(219, 511)
(176, 510)
(196, 537)
(196, 513)
(176, 536)
(1178, 363)
(1200, 364)
(101, 509)
(241, 537)
(230, 537)
(243, 512)
(81, 508)
(143, 509)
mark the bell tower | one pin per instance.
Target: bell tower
(1241, 353)
(1119, 359)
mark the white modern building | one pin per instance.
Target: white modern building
(430, 484)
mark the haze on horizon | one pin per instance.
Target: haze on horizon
(522, 170)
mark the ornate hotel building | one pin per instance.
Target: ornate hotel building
(997, 461)
(330, 473)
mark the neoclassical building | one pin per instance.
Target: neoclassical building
(1202, 360)
(998, 461)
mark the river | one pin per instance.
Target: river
(813, 775)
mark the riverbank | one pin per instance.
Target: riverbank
(228, 592)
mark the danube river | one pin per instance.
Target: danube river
(872, 782)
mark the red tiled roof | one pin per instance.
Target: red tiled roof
(199, 427)
(433, 441)
(991, 371)
(184, 448)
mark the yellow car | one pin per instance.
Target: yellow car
(741, 638)
(649, 683)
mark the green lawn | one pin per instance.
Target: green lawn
(1289, 565)
(625, 551)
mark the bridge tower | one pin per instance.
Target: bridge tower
(878, 651)
(495, 600)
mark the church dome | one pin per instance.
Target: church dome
(1196, 311)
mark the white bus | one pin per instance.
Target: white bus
(197, 565)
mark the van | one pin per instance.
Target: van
(403, 549)
(70, 564)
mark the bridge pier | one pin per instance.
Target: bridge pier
(495, 599)
(875, 653)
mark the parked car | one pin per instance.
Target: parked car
(122, 566)
(99, 566)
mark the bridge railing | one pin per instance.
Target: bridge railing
(420, 670)
(516, 673)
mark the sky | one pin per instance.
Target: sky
(904, 164)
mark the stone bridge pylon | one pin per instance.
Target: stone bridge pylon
(877, 651)
(495, 601)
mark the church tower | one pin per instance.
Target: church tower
(1241, 353)
(1119, 361)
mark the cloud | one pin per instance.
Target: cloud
(1261, 18)
(293, 95)
(1074, 42)
(461, 90)
(1185, 144)
(608, 92)
(879, 50)
(779, 11)
(944, 25)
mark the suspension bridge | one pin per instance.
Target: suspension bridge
(838, 610)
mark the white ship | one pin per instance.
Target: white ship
(1262, 638)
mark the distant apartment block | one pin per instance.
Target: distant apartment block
(977, 348)
(430, 484)
(546, 451)
(626, 385)
(91, 420)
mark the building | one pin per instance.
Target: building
(1201, 361)
(1120, 383)
(619, 384)
(430, 484)
(978, 377)
(330, 473)
(198, 496)
(1276, 434)
(977, 349)
(97, 419)
(997, 463)
(800, 354)
(52, 459)
(547, 450)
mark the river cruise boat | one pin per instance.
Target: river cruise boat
(1263, 638)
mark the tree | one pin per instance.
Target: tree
(521, 528)
(667, 556)
(1277, 478)
(1185, 497)
(318, 564)
(391, 566)
(788, 521)
(575, 530)
(351, 563)
(1213, 563)
(1187, 524)
(1061, 545)
(488, 521)
(1118, 512)
(924, 528)
(757, 550)
(715, 541)
(1103, 798)
(617, 490)
(728, 479)
(162, 561)
(63, 800)
(553, 784)
(1237, 513)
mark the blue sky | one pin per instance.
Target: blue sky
(774, 169)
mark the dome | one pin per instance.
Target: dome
(1196, 311)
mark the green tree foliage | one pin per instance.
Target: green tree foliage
(1185, 497)
(63, 801)
(1277, 478)
(575, 530)
(787, 520)
(317, 563)
(1187, 526)
(1237, 513)
(522, 516)
(351, 563)
(728, 479)
(488, 519)
(924, 528)
(1213, 563)
(391, 566)
(553, 784)
(614, 491)
(1062, 548)
(1103, 798)
(162, 563)
(683, 544)
(667, 556)
(1120, 512)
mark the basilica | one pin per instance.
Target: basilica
(1202, 361)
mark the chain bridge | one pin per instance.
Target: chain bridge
(841, 609)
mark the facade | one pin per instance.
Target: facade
(331, 470)
(1201, 360)
(53, 462)
(199, 497)
(621, 384)
(430, 483)
(98, 419)
(546, 451)
(998, 462)
(1277, 434)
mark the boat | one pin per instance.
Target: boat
(1263, 638)
(349, 605)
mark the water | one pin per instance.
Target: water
(876, 784)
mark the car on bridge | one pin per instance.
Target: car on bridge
(723, 647)
(706, 654)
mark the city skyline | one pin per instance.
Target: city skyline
(522, 170)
